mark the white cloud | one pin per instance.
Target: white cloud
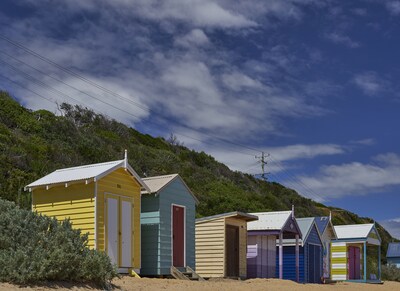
(301, 151)
(237, 81)
(370, 83)
(393, 7)
(365, 141)
(339, 38)
(392, 226)
(196, 37)
(333, 181)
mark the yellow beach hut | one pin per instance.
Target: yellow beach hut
(100, 199)
(221, 245)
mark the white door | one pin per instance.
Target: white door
(126, 233)
(112, 229)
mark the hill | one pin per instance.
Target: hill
(34, 143)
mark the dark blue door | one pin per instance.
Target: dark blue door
(314, 263)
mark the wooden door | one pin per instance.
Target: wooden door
(314, 263)
(354, 263)
(112, 229)
(232, 251)
(119, 230)
(178, 236)
(126, 232)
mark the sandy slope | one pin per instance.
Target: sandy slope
(128, 283)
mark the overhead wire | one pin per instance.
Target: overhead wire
(108, 91)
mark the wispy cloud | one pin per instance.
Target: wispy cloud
(340, 38)
(370, 83)
(393, 7)
(365, 141)
(333, 181)
(392, 226)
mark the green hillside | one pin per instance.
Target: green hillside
(35, 143)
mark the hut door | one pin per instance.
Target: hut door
(119, 230)
(178, 236)
(232, 251)
(126, 232)
(354, 263)
(314, 263)
(112, 229)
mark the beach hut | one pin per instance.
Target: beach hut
(393, 254)
(349, 253)
(100, 199)
(261, 244)
(168, 225)
(327, 232)
(221, 245)
(310, 253)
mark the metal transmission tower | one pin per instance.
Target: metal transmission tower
(264, 163)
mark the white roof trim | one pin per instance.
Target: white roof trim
(168, 181)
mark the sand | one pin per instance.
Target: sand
(129, 283)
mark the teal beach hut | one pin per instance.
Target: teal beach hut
(167, 225)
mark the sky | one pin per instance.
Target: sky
(313, 84)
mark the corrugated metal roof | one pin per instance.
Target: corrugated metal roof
(305, 225)
(81, 173)
(322, 222)
(236, 214)
(156, 183)
(269, 220)
(353, 231)
(393, 250)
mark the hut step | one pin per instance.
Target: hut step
(188, 274)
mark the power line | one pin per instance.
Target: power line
(66, 70)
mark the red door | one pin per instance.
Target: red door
(354, 263)
(178, 236)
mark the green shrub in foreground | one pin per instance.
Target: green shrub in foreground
(390, 273)
(36, 248)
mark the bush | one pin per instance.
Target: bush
(390, 273)
(36, 248)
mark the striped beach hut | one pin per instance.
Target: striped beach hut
(327, 232)
(221, 245)
(168, 225)
(100, 199)
(393, 254)
(310, 253)
(349, 253)
(261, 245)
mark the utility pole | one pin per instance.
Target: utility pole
(264, 163)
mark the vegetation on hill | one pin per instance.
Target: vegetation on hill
(35, 143)
(36, 248)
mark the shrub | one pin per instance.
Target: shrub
(36, 248)
(390, 273)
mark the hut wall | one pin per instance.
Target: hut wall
(176, 193)
(120, 183)
(150, 226)
(75, 202)
(261, 256)
(210, 248)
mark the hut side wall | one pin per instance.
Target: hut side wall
(289, 263)
(316, 266)
(150, 226)
(176, 193)
(261, 256)
(338, 261)
(210, 248)
(75, 202)
(326, 238)
(242, 244)
(120, 182)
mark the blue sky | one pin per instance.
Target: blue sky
(313, 83)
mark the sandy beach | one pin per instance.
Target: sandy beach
(146, 284)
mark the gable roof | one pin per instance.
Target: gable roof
(393, 250)
(86, 172)
(354, 231)
(269, 220)
(235, 214)
(305, 225)
(322, 223)
(158, 183)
